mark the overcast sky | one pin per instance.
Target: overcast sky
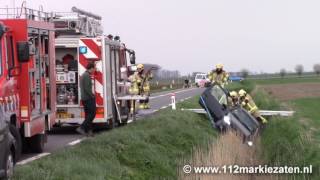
(194, 35)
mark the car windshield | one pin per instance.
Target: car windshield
(219, 94)
(200, 76)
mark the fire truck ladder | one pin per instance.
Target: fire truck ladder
(25, 13)
(78, 22)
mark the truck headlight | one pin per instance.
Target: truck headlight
(226, 119)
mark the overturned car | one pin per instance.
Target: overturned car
(214, 100)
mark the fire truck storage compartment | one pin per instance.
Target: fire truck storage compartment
(39, 73)
(67, 76)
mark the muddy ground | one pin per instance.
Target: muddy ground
(286, 92)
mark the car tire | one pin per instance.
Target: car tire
(18, 141)
(9, 166)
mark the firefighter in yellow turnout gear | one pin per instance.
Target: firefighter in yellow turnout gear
(218, 76)
(140, 85)
(248, 104)
(233, 100)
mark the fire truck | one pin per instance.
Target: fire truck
(80, 40)
(27, 68)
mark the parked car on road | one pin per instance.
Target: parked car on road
(235, 78)
(7, 148)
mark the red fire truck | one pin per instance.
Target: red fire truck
(27, 70)
(80, 40)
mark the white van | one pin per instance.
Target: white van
(201, 79)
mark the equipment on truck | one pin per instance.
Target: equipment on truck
(78, 22)
(27, 72)
(78, 45)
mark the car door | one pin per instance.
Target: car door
(3, 138)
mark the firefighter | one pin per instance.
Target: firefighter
(248, 104)
(233, 99)
(140, 85)
(218, 76)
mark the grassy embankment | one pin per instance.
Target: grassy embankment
(147, 149)
(291, 141)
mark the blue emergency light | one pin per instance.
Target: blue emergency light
(83, 50)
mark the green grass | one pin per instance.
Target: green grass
(285, 80)
(236, 86)
(147, 149)
(286, 141)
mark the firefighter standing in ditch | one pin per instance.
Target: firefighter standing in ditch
(248, 104)
(233, 99)
(218, 76)
(140, 85)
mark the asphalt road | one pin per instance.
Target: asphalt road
(63, 137)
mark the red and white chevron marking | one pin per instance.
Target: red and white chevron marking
(93, 54)
(9, 103)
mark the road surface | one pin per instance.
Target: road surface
(66, 136)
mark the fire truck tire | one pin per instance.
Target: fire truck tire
(17, 136)
(37, 143)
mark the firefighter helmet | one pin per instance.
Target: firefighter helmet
(233, 94)
(140, 66)
(242, 93)
(219, 66)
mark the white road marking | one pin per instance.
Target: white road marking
(168, 94)
(23, 162)
(75, 142)
(164, 107)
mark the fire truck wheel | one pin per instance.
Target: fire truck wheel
(16, 134)
(37, 143)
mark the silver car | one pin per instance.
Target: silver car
(7, 148)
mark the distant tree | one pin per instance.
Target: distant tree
(283, 72)
(299, 69)
(244, 73)
(316, 69)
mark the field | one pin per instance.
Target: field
(158, 146)
(294, 141)
(286, 80)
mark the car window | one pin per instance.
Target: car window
(219, 94)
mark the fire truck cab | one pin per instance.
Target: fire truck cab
(80, 40)
(27, 86)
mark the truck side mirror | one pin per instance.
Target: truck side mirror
(23, 51)
(2, 30)
(133, 57)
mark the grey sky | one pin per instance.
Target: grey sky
(189, 35)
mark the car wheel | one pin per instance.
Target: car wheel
(9, 166)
